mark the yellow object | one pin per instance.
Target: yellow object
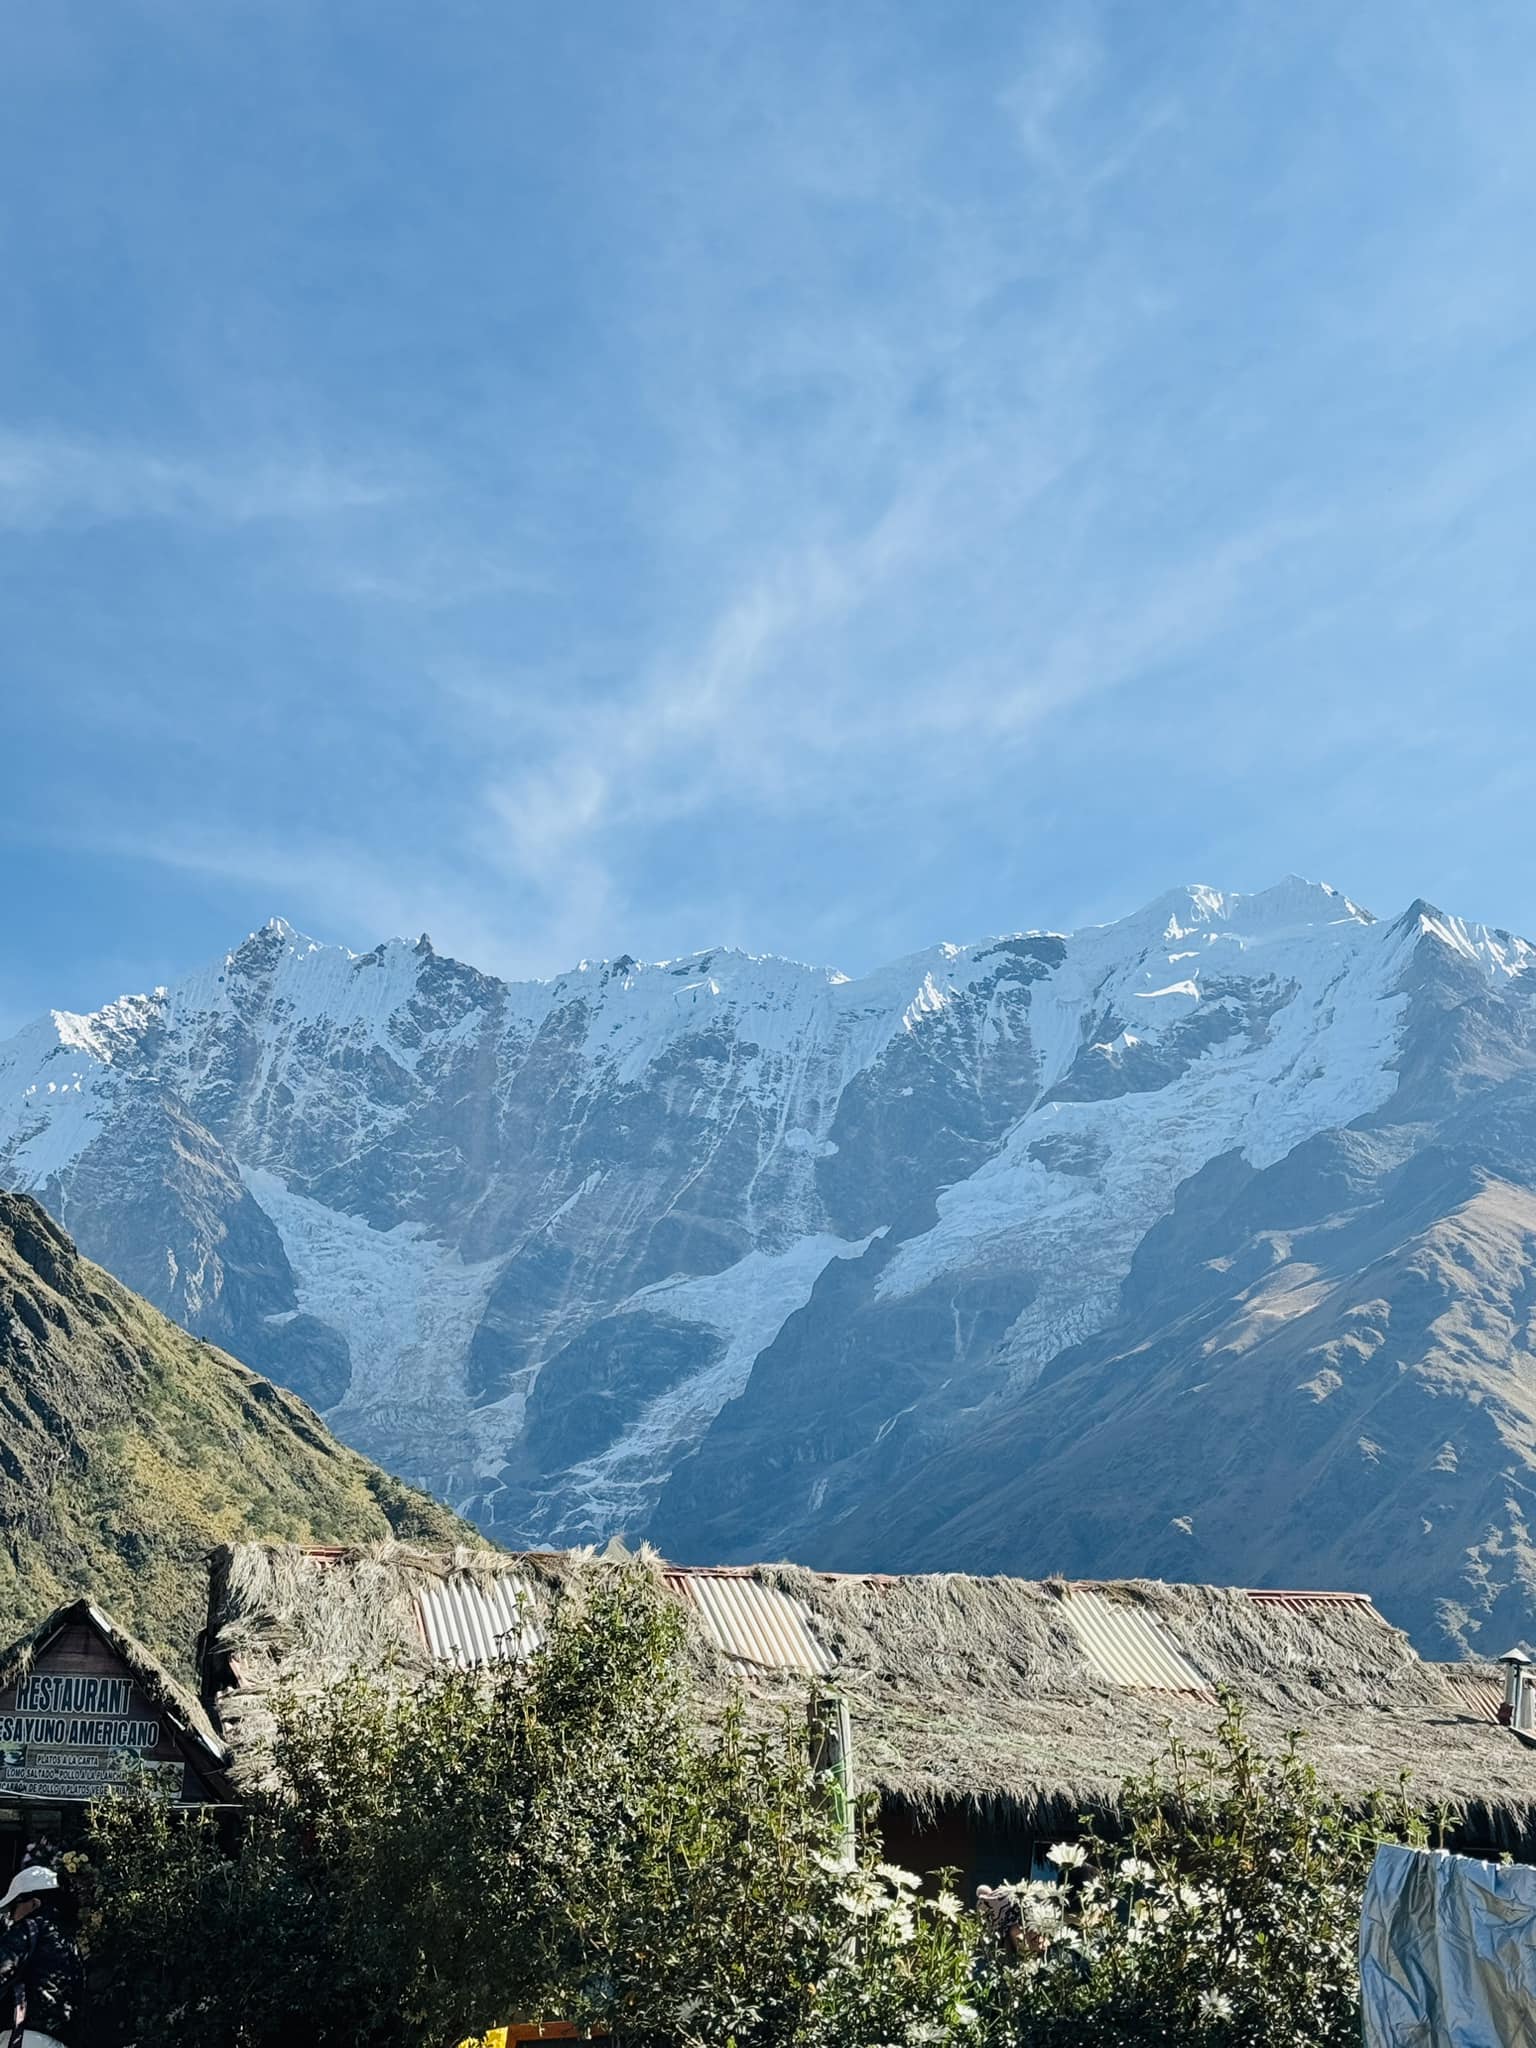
(532, 2030)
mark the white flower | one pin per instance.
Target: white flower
(900, 1923)
(1042, 1914)
(1067, 1855)
(947, 1906)
(901, 1880)
(860, 1905)
(1137, 1870)
(861, 1895)
(1215, 2005)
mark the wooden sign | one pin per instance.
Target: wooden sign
(77, 1724)
(76, 1735)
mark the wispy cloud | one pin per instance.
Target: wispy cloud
(728, 722)
(350, 895)
(906, 452)
(50, 480)
(1062, 69)
(764, 715)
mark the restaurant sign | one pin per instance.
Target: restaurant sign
(77, 1725)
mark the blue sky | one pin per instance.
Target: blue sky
(637, 476)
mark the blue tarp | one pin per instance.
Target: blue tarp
(1448, 1952)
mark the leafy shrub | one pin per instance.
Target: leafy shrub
(559, 1840)
(1227, 1915)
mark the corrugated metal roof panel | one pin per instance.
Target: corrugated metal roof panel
(475, 1618)
(753, 1623)
(1300, 1602)
(1130, 1645)
(1482, 1697)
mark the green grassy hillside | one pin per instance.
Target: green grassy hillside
(127, 1449)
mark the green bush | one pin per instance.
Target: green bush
(558, 1840)
(1227, 1915)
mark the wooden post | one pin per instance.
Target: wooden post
(831, 1733)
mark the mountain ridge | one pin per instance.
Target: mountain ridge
(712, 1250)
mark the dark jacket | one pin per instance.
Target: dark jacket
(39, 1964)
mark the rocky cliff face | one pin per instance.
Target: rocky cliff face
(753, 1258)
(1321, 1368)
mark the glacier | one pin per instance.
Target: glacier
(546, 1246)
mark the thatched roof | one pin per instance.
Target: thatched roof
(963, 1690)
(181, 1708)
(981, 1689)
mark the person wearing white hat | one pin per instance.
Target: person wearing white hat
(40, 1972)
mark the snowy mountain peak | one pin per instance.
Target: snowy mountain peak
(543, 1244)
(267, 943)
(1294, 904)
(1499, 955)
(279, 953)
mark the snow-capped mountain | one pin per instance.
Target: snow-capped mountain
(754, 1258)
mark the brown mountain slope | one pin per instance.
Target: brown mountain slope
(127, 1449)
(1351, 1403)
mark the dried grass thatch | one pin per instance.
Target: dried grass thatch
(965, 1691)
(978, 1690)
(284, 1617)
